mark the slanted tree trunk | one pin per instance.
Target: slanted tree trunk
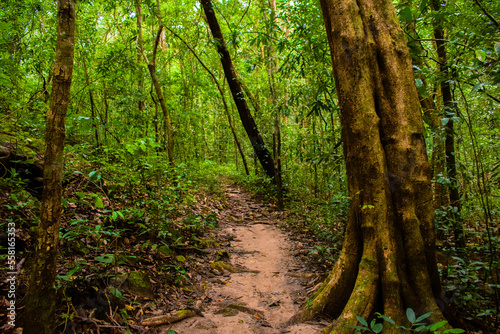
(265, 157)
(388, 257)
(41, 301)
(159, 93)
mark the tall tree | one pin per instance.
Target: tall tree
(265, 157)
(40, 303)
(140, 47)
(271, 24)
(450, 113)
(156, 83)
(388, 259)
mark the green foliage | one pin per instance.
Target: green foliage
(417, 324)
(118, 184)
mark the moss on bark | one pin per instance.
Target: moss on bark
(389, 248)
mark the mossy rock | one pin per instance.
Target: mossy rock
(138, 283)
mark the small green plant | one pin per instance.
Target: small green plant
(417, 324)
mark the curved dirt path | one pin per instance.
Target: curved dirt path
(261, 292)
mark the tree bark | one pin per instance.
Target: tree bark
(388, 258)
(41, 301)
(265, 157)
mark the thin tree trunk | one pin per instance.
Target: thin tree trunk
(156, 83)
(106, 109)
(450, 111)
(92, 104)
(140, 48)
(157, 137)
(166, 115)
(41, 301)
(274, 100)
(265, 157)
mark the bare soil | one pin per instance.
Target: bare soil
(264, 284)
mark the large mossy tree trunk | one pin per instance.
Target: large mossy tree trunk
(41, 301)
(265, 157)
(388, 257)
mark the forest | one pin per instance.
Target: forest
(249, 166)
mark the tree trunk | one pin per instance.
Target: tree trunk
(271, 67)
(450, 111)
(140, 47)
(41, 301)
(388, 258)
(92, 104)
(265, 157)
(159, 93)
(166, 114)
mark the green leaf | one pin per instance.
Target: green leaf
(481, 55)
(362, 321)
(171, 331)
(423, 316)
(478, 87)
(115, 292)
(497, 49)
(454, 330)
(420, 329)
(386, 318)
(405, 14)
(445, 121)
(107, 258)
(438, 325)
(98, 203)
(114, 215)
(377, 328)
(410, 315)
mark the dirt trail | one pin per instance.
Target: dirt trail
(262, 293)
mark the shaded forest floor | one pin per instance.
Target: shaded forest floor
(224, 264)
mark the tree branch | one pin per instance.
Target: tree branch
(487, 14)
